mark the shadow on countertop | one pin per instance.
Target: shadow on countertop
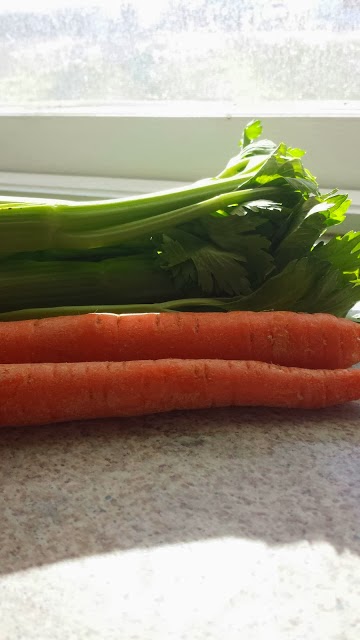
(277, 476)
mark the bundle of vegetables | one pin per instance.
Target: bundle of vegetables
(248, 239)
(247, 242)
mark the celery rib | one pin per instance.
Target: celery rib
(159, 224)
(31, 283)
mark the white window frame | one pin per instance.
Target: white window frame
(108, 155)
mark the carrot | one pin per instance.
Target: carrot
(318, 341)
(49, 393)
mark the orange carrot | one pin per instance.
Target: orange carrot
(316, 341)
(49, 393)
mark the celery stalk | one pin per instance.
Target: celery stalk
(39, 231)
(31, 283)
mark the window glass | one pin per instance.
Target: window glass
(129, 54)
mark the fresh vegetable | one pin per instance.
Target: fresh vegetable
(314, 341)
(24, 282)
(32, 394)
(247, 239)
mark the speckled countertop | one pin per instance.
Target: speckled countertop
(230, 524)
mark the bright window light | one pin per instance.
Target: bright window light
(125, 55)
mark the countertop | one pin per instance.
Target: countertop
(226, 524)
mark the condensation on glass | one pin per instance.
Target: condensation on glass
(103, 53)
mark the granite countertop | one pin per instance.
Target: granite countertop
(227, 524)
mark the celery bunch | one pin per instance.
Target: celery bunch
(249, 238)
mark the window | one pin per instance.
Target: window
(141, 90)
(101, 53)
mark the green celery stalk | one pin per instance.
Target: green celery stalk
(40, 232)
(192, 304)
(125, 233)
(100, 213)
(308, 285)
(30, 283)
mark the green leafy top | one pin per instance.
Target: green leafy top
(251, 132)
(264, 253)
(198, 264)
